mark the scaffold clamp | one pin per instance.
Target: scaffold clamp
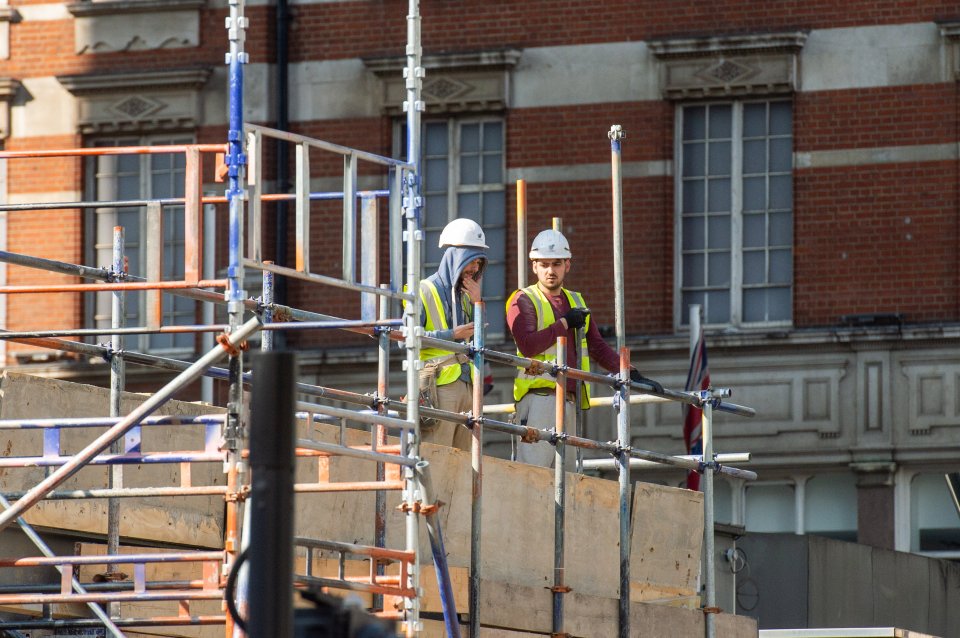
(234, 351)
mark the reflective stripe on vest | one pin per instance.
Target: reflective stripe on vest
(436, 320)
(545, 318)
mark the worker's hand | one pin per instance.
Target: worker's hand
(471, 288)
(463, 332)
(576, 318)
(636, 377)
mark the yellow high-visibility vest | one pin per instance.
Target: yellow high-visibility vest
(436, 320)
(545, 318)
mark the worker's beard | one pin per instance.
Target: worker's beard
(553, 287)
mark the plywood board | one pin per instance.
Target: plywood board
(189, 520)
(666, 538)
(517, 533)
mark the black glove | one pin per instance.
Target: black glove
(636, 377)
(576, 318)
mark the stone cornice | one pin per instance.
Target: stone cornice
(480, 60)
(671, 48)
(82, 85)
(114, 7)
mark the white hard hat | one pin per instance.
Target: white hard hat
(463, 232)
(550, 244)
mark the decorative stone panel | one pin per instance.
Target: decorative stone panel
(459, 83)
(141, 102)
(135, 25)
(729, 66)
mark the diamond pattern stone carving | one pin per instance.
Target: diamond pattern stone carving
(445, 89)
(136, 107)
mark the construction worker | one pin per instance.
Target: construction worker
(447, 299)
(536, 316)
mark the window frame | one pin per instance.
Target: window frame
(736, 287)
(455, 124)
(93, 243)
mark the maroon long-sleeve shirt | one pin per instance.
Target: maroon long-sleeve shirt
(522, 320)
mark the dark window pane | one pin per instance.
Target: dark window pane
(754, 267)
(494, 208)
(718, 270)
(468, 205)
(694, 123)
(781, 229)
(693, 270)
(755, 193)
(492, 169)
(781, 158)
(718, 231)
(694, 200)
(493, 136)
(435, 174)
(754, 305)
(781, 118)
(755, 120)
(469, 169)
(719, 158)
(436, 210)
(470, 138)
(754, 231)
(694, 159)
(718, 195)
(720, 123)
(781, 266)
(755, 156)
(436, 142)
(694, 237)
(781, 192)
(718, 306)
(780, 304)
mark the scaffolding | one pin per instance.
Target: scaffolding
(387, 313)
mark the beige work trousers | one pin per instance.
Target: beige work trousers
(453, 397)
(540, 411)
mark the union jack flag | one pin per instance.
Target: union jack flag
(698, 378)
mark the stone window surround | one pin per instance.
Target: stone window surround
(729, 66)
(454, 83)
(166, 100)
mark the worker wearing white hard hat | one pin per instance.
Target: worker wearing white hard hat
(536, 316)
(463, 232)
(447, 298)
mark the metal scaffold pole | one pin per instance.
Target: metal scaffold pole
(235, 296)
(118, 319)
(476, 464)
(412, 208)
(623, 466)
(616, 134)
(709, 581)
(559, 494)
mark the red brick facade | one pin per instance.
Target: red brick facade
(879, 237)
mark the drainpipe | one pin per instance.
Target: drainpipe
(282, 24)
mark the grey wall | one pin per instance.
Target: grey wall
(811, 582)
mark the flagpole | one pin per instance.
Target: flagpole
(706, 485)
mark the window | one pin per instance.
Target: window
(770, 507)
(463, 175)
(934, 522)
(735, 210)
(125, 177)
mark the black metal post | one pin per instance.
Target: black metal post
(272, 440)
